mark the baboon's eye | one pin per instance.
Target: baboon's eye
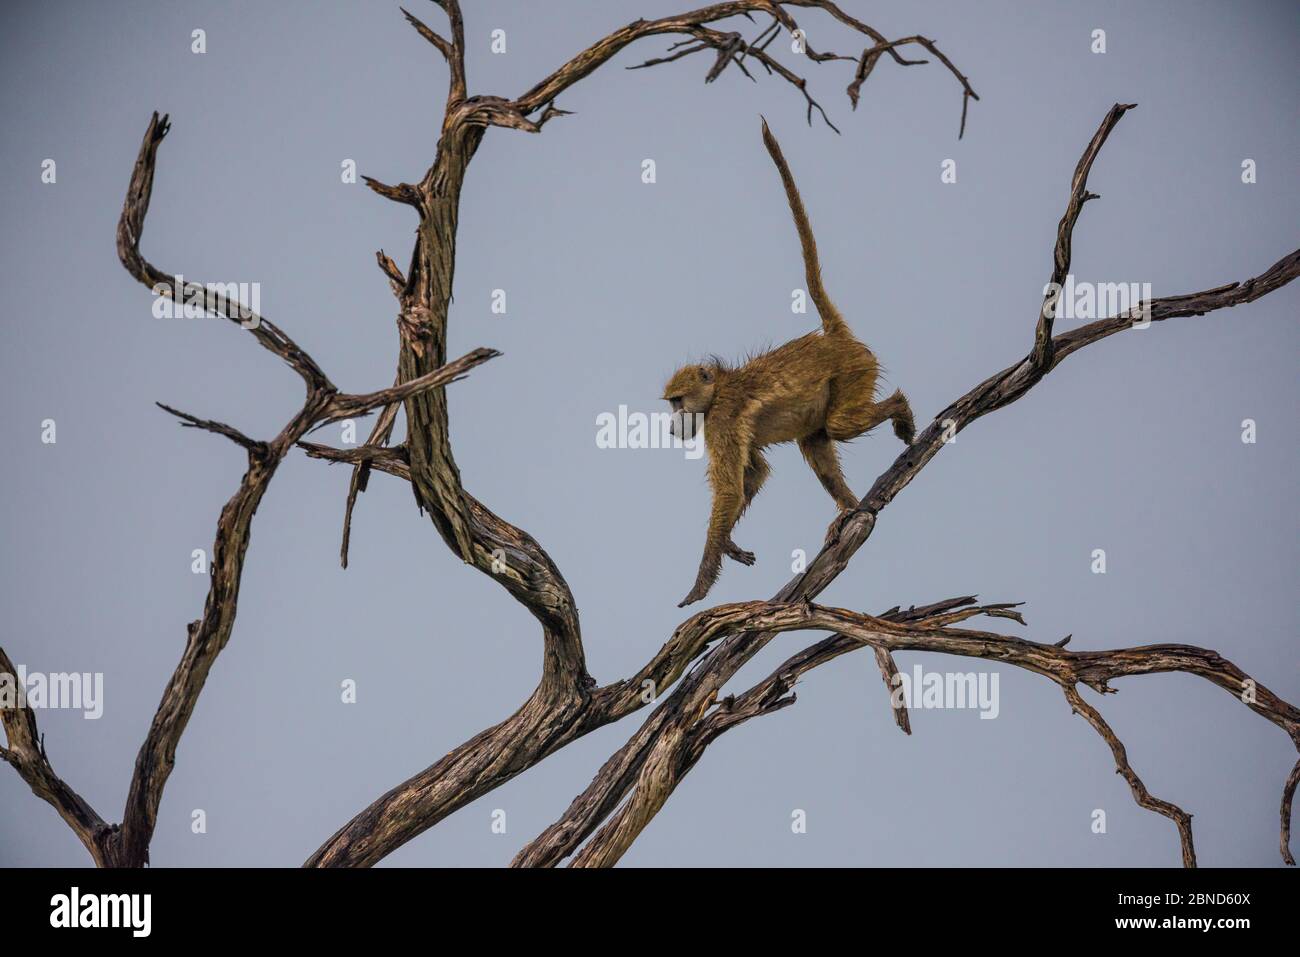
(706, 375)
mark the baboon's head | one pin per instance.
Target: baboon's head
(690, 392)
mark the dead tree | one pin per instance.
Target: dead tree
(604, 820)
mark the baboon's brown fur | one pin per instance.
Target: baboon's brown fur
(816, 390)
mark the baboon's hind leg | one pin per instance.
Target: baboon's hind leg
(819, 452)
(853, 412)
(756, 473)
(901, 412)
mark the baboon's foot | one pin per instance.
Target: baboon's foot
(734, 551)
(905, 430)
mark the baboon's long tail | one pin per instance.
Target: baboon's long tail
(832, 321)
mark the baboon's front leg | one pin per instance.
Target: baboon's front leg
(727, 477)
(726, 509)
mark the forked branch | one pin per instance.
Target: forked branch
(566, 704)
(128, 844)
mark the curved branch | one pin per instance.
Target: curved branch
(1140, 793)
(1041, 356)
(130, 227)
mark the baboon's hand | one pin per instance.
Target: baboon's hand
(739, 554)
(698, 592)
(710, 565)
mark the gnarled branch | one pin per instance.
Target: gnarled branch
(128, 845)
(566, 704)
(684, 725)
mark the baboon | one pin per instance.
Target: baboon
(816, 390)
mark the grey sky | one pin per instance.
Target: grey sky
(1132, 446)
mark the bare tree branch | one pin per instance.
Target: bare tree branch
(128, 845)
(255, 448)
(131, 226)
(1288, 794)
(889, 674)
(393, 460)
(1140, 792)
(731, 47)
(379, 436)
(1041, 356)
(456, 91)
(403, 193)
(444, 46)
(343, 406)
(685, 724)
(25, 752)
(383, 427)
